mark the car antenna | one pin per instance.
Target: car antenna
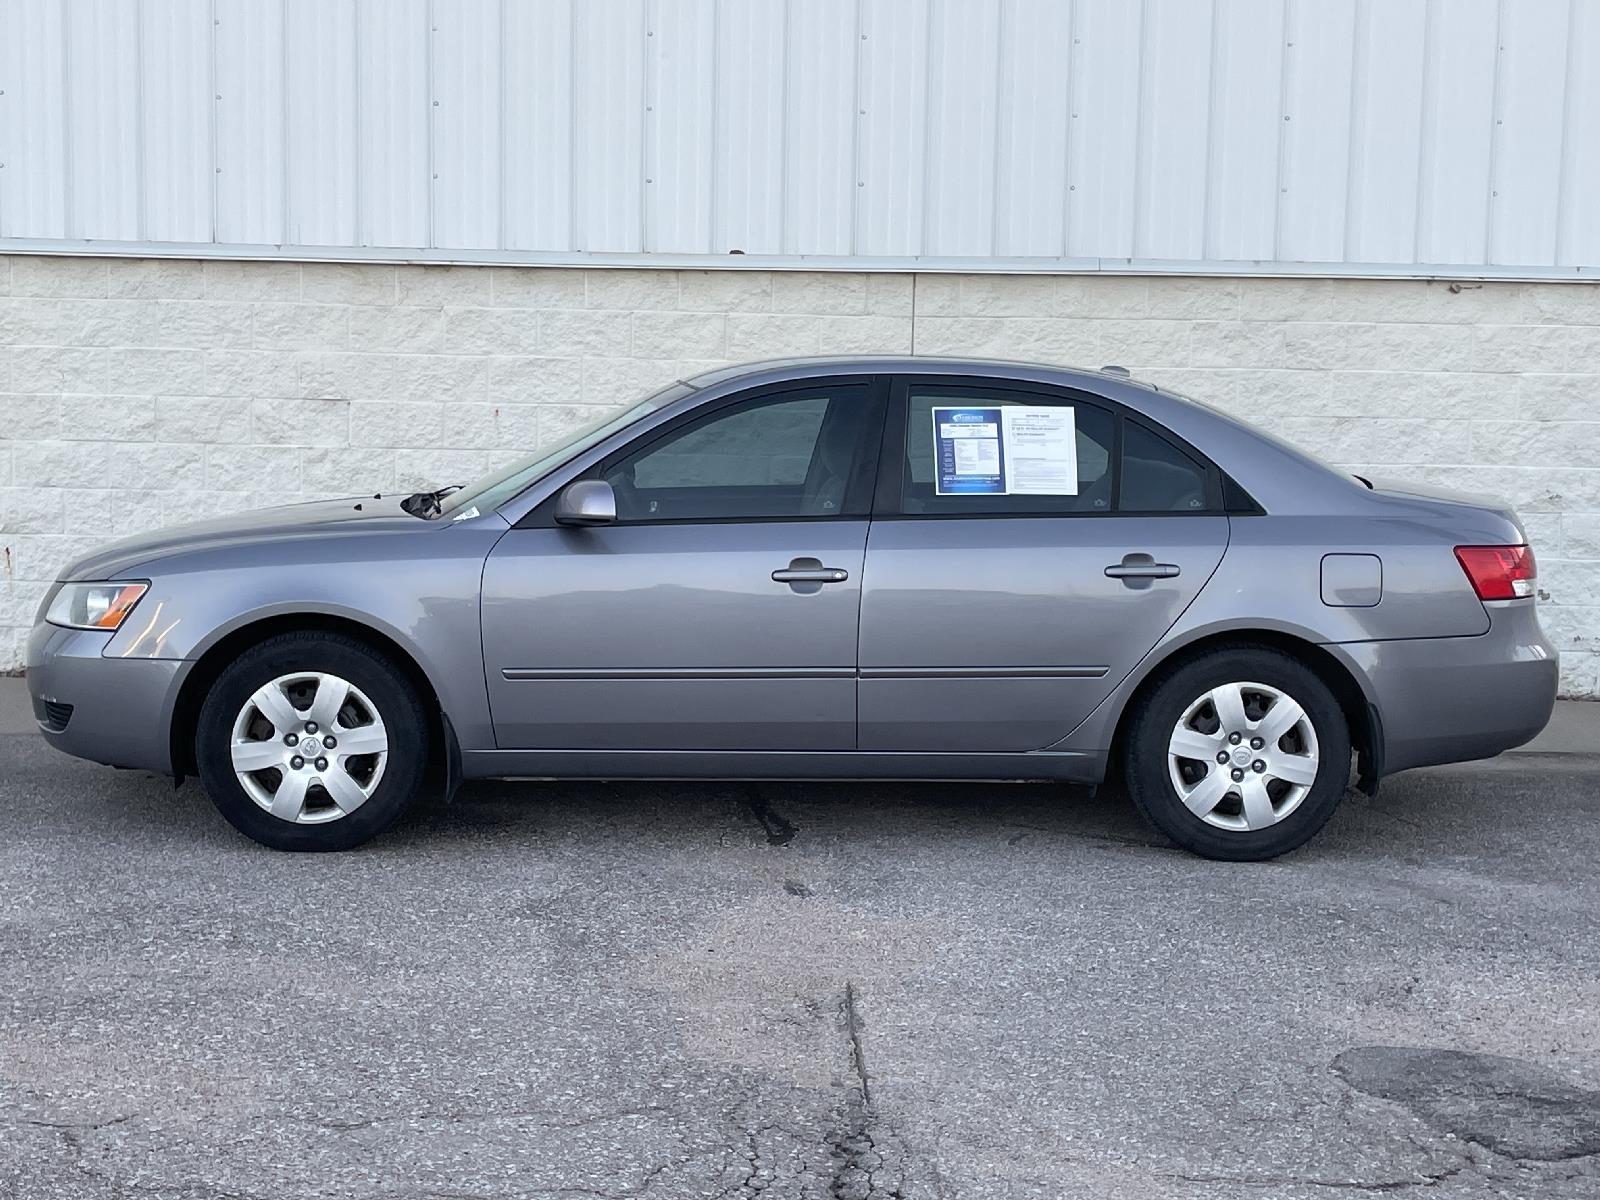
(1113, 369)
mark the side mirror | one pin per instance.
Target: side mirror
(587, 502)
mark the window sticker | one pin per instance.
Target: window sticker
(1010, 450)
(1041, 447)
(968, 452)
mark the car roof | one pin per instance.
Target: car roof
(998, 368)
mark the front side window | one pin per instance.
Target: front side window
(793, 455)
(973, 450)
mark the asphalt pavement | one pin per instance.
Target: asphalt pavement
(688, 990)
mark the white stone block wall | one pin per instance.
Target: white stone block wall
(137, 393)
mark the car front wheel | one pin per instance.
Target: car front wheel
(312, 742)
(1240, 754)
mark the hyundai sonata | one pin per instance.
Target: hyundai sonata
(823, 568)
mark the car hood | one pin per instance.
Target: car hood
(289, 520)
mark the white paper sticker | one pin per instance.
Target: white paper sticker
(1041, 451)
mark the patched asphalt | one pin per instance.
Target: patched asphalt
(685, 990)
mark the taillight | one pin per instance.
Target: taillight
(1499, 572)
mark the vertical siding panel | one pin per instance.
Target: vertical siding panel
(820, 117)
(466, 124)
(392, 150)
(320, 107)
(1175, 100)
(249, 117)
(1579, 232)
(1104, 139)
(891, 151)
(1453, 208)
(680, 126)
(1528, 128)
(1315, 167)
(34, 204)
(752, 78)
(538, 136)
(1246, 128)
(608, 134)
(1386, 134)
(963, 80)
(175, 120)
(103, 119)
(1030, 184)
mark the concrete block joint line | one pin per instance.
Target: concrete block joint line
(136, 393)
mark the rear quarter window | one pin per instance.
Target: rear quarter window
(1157, 477)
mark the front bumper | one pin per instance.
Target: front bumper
(121, 708)
(1455, 699)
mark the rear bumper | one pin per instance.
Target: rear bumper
(1445, 700)
(121, 708)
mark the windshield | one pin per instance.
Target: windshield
(496, 488)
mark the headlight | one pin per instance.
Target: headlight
(94, 605)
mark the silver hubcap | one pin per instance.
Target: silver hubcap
(309, 747)
(1243, 756)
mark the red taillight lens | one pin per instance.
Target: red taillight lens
(1499, 572)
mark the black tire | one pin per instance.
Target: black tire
(374, 674)
(1156, 716)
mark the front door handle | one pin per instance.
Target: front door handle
(1139, 570)
(810, 575)
(806, 576)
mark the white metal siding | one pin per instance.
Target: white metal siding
(1331, 136)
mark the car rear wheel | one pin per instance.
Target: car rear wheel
(312, 742)
(1240, 754)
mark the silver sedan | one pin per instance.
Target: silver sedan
(823, 568)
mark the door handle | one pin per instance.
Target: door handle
(1139, 570)
(805, 576)
(810, 575)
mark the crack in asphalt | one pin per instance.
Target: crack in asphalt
(851, 1017)
(853, 1155)
(858, 1158)
(1382, 1187)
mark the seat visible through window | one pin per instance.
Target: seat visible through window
(790, 455)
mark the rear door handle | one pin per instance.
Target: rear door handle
(1137, 570)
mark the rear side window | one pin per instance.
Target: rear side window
(971, 450)
(1157, 477)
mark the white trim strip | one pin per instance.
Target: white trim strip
(793, 262)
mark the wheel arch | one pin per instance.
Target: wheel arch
(1360, 713)
(224, 649)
